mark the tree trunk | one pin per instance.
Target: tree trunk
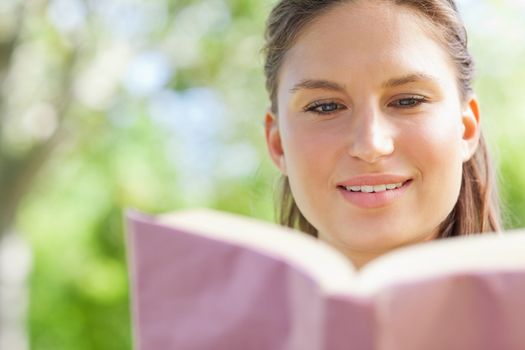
(15, 268)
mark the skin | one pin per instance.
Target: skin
(381, 98)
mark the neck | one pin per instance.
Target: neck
(359, 257)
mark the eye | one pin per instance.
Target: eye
(320, 107)
(408, 102)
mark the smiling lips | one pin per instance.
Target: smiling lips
(376, 188)
(373, 191)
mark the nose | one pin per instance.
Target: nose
(372, 138)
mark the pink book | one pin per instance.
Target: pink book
(203, 279)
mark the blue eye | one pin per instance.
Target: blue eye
(408, 102)
(324, 107)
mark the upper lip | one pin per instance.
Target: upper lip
(373, 180)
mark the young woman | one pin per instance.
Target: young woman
(374, 125)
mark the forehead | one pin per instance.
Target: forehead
(378, 38)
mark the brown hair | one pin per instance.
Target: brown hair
(477, 208)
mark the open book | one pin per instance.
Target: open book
(203, 279)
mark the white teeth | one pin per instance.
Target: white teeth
(380, 188)
(376, 188)
(368, 189)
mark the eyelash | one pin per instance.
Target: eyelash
(313, 107)
(418, 100)
(415, 102)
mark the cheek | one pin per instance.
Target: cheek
(437, 154)
(435, 141)
(310, 157)
(310, 153)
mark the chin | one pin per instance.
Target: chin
(378, 237)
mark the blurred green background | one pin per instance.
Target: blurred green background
(158, 105)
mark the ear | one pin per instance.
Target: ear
(273, 141)
(471, 128)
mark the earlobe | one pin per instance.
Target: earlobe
(471, 128)
(273, 141)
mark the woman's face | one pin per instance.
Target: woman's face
(371, 131)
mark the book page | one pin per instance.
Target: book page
(479, 252)
(331, 269)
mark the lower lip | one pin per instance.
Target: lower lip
(374, 199)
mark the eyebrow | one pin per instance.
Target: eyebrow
(409, 78)
(313, 84)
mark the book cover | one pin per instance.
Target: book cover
(203, 279)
